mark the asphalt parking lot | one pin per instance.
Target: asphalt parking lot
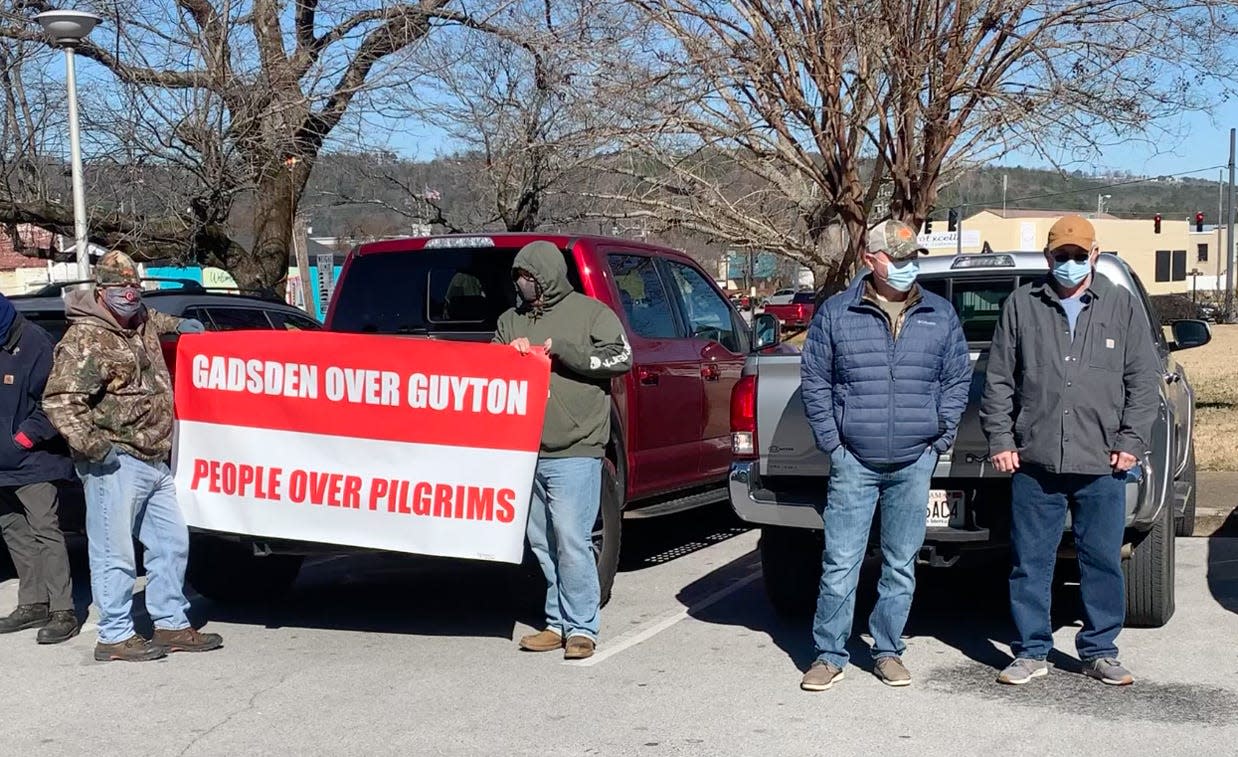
(390, 655)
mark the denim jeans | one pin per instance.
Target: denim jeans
(566, 496)
(1039, 501)
(124, 501)
(854, 491)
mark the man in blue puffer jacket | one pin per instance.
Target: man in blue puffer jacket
(885, 379)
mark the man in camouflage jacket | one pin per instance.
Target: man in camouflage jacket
(110, 396)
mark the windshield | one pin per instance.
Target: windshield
(450, 290)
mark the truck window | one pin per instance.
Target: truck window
(978, 302)
(644, 298)
(460, 290)
(237, 319)
(707, 314)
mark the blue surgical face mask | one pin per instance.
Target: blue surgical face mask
(901, 277)
(1071, 273)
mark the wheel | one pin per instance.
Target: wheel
(1186, 524)
(608, 530)
(230, 572)
(791, 567)
(1149, 575)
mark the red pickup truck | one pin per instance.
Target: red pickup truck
(670, 446)
(797, 314)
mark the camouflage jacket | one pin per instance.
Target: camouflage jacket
(109, 385)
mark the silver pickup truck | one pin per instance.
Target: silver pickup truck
(778, 478)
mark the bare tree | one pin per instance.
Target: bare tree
(527, 100)
(231, 99)
(784, 123)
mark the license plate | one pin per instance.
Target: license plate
(945, 509)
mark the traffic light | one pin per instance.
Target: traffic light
(1156, 223)
(928, 225)
(952, 224)
(1199, 221)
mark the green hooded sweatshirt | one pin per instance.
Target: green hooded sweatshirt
(588, 348)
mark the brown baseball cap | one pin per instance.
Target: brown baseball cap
(1072, 231)
(896, 239)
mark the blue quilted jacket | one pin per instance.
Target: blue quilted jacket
(885, 400)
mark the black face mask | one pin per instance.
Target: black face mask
(528, 290)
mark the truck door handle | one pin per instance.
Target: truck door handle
(647, 377)
(711, 373)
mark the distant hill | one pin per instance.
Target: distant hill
(1134, 197)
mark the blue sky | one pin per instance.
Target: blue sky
(1200, 140)
(1194, 141)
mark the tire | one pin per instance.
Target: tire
(230, 573)
(1149, 575)
(1186, 524)
(791, 568)
(608, 531)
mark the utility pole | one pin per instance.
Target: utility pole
(1004, 185)
(1229, 236)
(958, 232)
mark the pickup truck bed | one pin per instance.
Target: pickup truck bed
(779, 483)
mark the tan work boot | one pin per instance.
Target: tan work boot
(542, 641)
(133, 649)
(187, 640)
(579, 648)
(821, 676)
(893, 672)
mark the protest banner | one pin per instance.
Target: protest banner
(390, 443)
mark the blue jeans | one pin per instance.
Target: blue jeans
(124, 501)
(1039, 501)
(854, 491)
(566, 496)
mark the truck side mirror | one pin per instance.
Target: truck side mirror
(766, 332)
(1190, 333)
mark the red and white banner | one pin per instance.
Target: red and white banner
(398, 444)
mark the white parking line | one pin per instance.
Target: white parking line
(632, 638)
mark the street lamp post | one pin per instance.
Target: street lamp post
(68, 28)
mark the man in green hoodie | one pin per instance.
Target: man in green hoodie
(587, 348)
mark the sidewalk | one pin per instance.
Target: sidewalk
(1215, 504)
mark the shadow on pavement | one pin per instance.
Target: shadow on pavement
(1223, 566)
(657, 541)
(965, 607)
(393, 593)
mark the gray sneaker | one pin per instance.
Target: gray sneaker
(893, 672)
(1108, 670)
(1022, 671)
(821, 676)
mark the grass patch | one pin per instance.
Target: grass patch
(1213, 371)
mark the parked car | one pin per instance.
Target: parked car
(797, 313)
(778, 480)
(670, 446)
(218, 311)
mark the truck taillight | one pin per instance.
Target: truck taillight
(744, 418)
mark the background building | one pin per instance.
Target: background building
(1176, 260)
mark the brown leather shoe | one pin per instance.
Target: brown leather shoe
(579, 648)
(133, 649)
(542, 641)
(187, 640)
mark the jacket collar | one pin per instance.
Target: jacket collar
(14, 335)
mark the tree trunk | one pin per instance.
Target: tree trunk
(266, 262)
